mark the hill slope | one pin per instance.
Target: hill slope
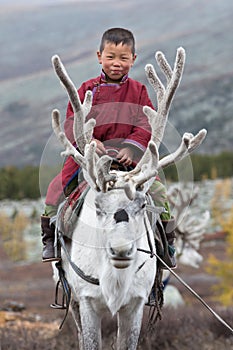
(29, 89)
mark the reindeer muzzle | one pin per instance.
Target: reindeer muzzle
(121, 253)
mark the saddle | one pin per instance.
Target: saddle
(70, 208)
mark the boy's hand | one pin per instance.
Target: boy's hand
(125, 156)
(100, 149)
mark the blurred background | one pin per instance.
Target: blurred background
(31, 32)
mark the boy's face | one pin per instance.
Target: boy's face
(116, 60)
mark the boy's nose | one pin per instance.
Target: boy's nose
(116, 63)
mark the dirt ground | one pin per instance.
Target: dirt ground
(27, 290)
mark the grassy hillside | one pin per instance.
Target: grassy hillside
(29, 90)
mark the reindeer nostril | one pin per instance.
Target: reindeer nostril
(112, 251)
(121, 215)
(130, 251)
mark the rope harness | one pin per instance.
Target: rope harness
(66, 293)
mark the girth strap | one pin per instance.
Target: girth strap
(76, 269)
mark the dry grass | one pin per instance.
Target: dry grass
(186, 328)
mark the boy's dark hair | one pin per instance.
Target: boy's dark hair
(117, 36)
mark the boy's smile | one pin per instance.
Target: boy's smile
(116, 60)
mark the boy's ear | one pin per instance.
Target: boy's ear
(134, 58)
(99, 57)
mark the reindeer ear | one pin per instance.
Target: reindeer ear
(146, 186)
(130, 190)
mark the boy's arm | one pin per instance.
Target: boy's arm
(125, 156)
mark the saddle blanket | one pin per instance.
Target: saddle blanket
(71, 208)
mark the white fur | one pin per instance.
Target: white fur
(123, 291)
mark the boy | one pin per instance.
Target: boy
(120, 123)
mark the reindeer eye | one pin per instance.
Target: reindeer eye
(140, 208)
(99, 211)
(139, 188)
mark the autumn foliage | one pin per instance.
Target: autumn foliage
(12, 235)
(223, 214)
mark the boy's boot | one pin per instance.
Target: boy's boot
(169, 229)
(47, 234)
(167, 236)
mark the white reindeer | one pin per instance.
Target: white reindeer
(190, 227)
(190, 230)
(113, 222)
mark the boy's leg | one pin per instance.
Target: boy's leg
(159, 195)
(48, 234)
(56, 193)
(54, 196)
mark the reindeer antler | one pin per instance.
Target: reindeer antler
(85, 154)
(158, 119)
(164, 95)
(70, 150)
(190, 226)
(82, 131)
(98, 170)
(188, 144)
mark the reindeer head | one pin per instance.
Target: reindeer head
(120, 222)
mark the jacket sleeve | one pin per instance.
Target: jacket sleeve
(141, 131)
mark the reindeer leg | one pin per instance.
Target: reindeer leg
(129, 325)
(74, 307)
(91, 325)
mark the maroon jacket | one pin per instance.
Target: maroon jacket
(120, 121)
(117, 109)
